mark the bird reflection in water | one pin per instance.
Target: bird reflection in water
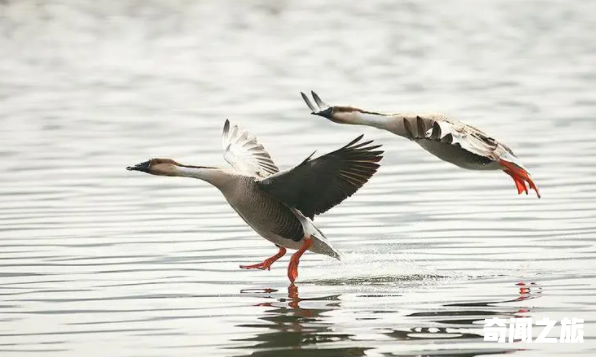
(295, 326)
(296, 330)
(463, 322)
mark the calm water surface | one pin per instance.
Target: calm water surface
(98, 261)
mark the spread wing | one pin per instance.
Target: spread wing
(447, 131)
(314, 186)
(245, 154)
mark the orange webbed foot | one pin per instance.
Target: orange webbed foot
(263, 266)
(266, 265)
(519, 176)
(519, 184)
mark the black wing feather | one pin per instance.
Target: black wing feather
(315, 186)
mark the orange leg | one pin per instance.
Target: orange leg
(520, 177)
(266, 265)
(293, 266)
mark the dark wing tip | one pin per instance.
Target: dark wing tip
(226, 128)
(361, 145)
(320, 103)
(374, 147)
(307, 101)
(353, 141)
(308, 158)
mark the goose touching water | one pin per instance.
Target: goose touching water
(448, 139)
(280, 206)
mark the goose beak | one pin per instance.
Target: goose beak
(143, 167)
(327, 113)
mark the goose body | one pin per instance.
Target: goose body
(280, 206)
(446, 138)
(272, 219)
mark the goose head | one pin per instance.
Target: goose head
(159, 167)
(321, 109)
(325, 113)
(343, 114)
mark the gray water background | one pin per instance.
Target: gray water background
(98, 261)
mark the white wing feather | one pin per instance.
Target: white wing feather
(468, 137)
(245, 154)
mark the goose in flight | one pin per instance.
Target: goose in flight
(448, 139)
(280, 205)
